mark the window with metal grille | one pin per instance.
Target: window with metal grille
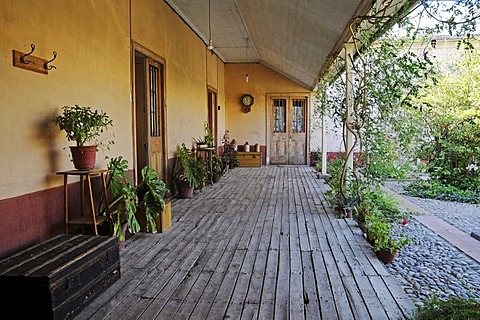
(298, 112)
(154, 98)
(279, 111)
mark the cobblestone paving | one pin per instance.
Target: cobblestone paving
(432, 266)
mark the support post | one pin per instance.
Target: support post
(349, 49)
(324, 144)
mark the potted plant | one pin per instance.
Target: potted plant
(188, 173)
(137, 208)
(84, 126)
(314, 157)
(218, 168)
(348, 206)
(387, 247)
(200, 143)
(229, 154)
(154, 210)
(207, 140)
(376, 227)
(123, 206)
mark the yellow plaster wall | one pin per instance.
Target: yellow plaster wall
(92, 39)
(93, 68)
(156, 27)
(251, 127)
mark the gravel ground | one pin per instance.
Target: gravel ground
(463, 216)
(432, 266)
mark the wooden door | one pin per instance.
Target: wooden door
(288, 139)
(279, 141)
(150, 115)
(213, 114)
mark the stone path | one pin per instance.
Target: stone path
(445, 259)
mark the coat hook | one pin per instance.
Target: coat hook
(22, 58)
(46, 66)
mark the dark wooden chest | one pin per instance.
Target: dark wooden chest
(57, 278)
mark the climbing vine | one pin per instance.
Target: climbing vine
(388, 75)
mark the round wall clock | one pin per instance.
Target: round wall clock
(247, 100)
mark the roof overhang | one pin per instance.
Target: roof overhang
(298, 39)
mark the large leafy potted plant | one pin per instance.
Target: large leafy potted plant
(83, 125)
(135, 208)
(123, 206)
(153, 210)
(189, 172)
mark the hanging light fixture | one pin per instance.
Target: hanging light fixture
(210, 41)
(246, 57)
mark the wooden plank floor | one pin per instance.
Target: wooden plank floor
(260, 244)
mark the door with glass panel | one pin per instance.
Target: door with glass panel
(150, 115)
(288, 138)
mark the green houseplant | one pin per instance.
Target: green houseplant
(379, 235)
(218, 168)
(229, 154)
(207, 141)
(131, 205)
(152, 194)
(123, 206)
(83, 125)
(188, 173)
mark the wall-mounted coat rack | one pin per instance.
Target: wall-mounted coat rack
(29, 62)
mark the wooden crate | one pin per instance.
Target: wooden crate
(162, 222)
(249, 159)
(57, 278)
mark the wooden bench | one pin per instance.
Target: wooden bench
(57, 278)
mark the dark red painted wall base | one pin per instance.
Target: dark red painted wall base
(33, 218)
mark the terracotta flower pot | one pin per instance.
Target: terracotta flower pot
(349, 213)
(362, 226)
(184, 190)
(84, 158)
(385, 255)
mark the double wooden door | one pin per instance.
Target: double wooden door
(288, 130)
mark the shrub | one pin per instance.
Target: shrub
(434, 189)
(452, 309)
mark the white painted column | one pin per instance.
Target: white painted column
(324, 144)
(349, 49)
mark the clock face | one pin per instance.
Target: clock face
(247, 100)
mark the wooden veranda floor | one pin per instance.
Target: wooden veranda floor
(262, 243)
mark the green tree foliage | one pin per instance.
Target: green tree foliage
(451, 110)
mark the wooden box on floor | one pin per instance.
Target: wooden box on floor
(57, 278)
(249, 159)
(162, 222)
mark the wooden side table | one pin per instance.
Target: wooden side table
(85, 220)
